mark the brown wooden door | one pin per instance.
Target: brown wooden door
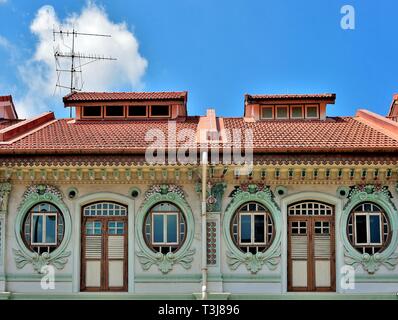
(311, 248)
(104, 253)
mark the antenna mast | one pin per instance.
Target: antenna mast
(75, 68)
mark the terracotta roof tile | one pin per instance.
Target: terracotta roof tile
(291, 96)
(93, 136)
(113, 96)
(340, 134)
(343, 133)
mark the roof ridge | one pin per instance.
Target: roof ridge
(382, 124)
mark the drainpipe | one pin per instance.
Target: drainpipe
(204, 227)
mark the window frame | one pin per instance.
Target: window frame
(152, 116)
(266, 106)
(181, 221)
(92, 117)
(252, 229)
(385, 236)
(268, 222)
(292, 106)
(93, 228)
(44, 228)
(138, 105)
(41, 247)
(165, 229)
(115, 117)
(312, 106)
(367, 215)
(282, 106)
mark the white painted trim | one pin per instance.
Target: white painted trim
(317, 196)
(102, 196)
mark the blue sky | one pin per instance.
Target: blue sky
(220, 50)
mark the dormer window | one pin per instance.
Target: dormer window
(159, 111)
(267, 112)
(311, 112)
(114, 111)
(92, 112)
(296, 112)
(286, 107)
(137, 111)
(282, 112)
(128, 106)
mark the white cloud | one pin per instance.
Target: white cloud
(3, 42)
(39, 73)
(3, 1)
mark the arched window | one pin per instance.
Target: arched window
(252, 228)
(368, 228)
(165, 228)
(43, 228)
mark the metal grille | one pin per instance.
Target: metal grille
(211, 243)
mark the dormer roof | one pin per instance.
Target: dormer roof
(78, 97)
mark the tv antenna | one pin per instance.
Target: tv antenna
(77, 59)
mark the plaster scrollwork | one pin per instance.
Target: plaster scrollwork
(381, 196)
(5, 189)
(59, 257)
(184, 255)
(215, 193)
(253, 262)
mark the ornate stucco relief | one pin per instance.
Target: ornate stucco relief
(253, 262)
(59, 257)
(184, 255)
(382, 197)
(5, 189)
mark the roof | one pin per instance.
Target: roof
(69, 137)
(4, 123)
(332, 134)
(320, 96)
(123, 96)
(66, 136)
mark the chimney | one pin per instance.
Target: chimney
(7, 108)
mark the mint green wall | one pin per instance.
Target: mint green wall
(147, 283)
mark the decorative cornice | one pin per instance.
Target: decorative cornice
(252, 189)
(164, 189)
(368, 192)
(37, 191)
(5, 189)
(215, 193)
